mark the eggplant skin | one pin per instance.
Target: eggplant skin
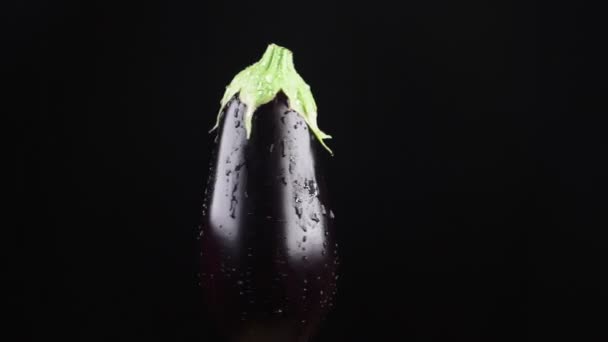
(269, 257)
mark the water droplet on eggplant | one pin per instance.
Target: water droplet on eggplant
(283, 148)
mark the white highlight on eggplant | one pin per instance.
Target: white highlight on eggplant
(230, 178)
(305, 242)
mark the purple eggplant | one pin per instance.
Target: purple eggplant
(269, 256)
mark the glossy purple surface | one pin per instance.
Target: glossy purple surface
(269, 257)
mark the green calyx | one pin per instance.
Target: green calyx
(260, 83)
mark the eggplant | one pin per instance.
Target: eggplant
(269, 256)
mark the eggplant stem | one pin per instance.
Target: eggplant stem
(260, 83)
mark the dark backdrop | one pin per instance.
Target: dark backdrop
(468, 180)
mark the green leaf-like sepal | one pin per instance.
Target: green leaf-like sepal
(260, 83)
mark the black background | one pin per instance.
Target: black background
(468, 181)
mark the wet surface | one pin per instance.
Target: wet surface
(269, 258)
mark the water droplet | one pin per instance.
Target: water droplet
(315, 217)
(240, 282)
(237, 123)
(271, 147)
(304, 238)
(292, 164)
(321, 292)
(323, 210)
(304, 258)
(283, 148)
(313, 188)
(331, 214)
(239, 166)
(298, 211)
(233, 203)
(228, 172)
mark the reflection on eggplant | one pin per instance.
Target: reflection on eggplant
(269, 257)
